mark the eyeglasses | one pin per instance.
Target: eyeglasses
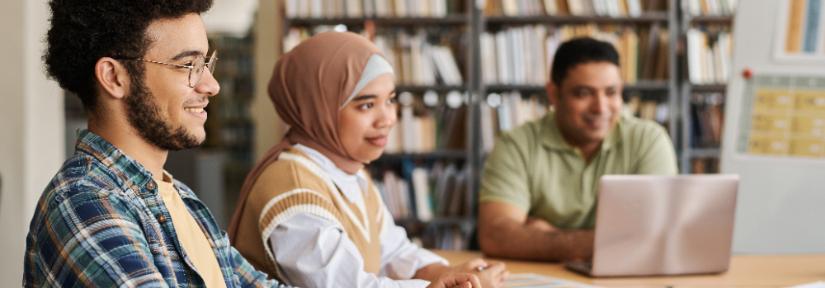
(196, 68)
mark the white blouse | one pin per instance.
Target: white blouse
(315, 252)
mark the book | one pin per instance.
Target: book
(709, 7)
(354, 8)
(707, 117)
(395, 193)
(704, 165)
(420, 61)
(550, 7)
(423, 192)
(505, 111)
(648, 109)
(424, 128)
(421, 187)
(709, 53)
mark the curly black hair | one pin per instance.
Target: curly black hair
(579, 51)
(84, 31)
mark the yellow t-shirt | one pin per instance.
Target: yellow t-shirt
(194, 241)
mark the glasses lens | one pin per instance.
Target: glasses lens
(198, 67)
(211, 63)
(196, 71)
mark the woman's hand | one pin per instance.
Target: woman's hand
(490, 274)
(456, 280)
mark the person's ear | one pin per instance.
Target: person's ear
(552, 93)
(112, 77)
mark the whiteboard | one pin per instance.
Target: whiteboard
(781, 202)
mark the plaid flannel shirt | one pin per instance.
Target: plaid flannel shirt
(101, 223)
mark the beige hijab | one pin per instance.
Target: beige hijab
(309, 86)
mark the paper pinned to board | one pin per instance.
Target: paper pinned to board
(530, 280)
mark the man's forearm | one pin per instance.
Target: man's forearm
(523, 242)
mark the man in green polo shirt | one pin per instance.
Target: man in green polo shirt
(539, 185)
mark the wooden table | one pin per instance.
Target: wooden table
(745, 271)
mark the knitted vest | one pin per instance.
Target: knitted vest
(292, 185)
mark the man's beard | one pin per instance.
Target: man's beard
(144, 115)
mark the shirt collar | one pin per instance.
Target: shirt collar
(127, 169)
(349, 184)
(180, 188)
(553, 139)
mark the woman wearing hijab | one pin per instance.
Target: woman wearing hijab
(308, 213)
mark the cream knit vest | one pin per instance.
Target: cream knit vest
(295, 184)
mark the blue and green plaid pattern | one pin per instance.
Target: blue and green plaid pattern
(101, 223)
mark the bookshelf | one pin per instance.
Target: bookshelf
(648, 17)
(705, 28)
(449, 20)
(657, 84)
(421, 157)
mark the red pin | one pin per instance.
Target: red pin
(747, 73)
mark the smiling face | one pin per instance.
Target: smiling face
(365, 122)
(162, 106)
(588, 102)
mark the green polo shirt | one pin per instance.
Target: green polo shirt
(533, 168)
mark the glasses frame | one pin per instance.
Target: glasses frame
(194, 76)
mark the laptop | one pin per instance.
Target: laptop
(662, 225)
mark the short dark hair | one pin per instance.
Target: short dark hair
(84, 31)
(579, 51)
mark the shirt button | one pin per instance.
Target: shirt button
(162, 218)
(150, 185)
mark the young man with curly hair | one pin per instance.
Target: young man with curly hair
(112, 217)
